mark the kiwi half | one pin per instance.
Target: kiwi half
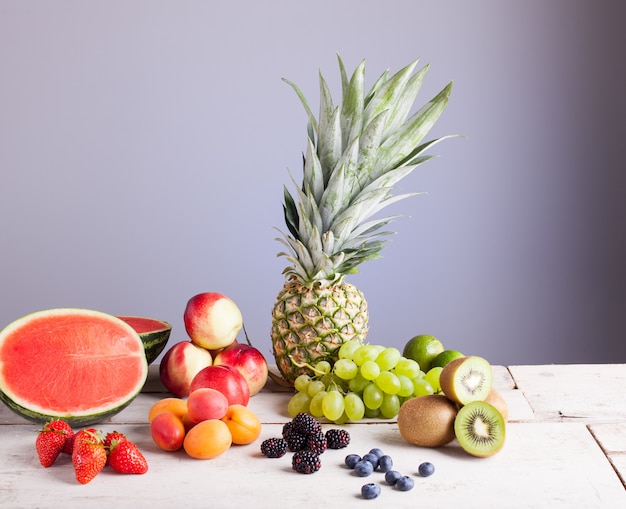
(427, 421)
(480, 429)
(466, 379)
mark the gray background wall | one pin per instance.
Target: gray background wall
(144, 146)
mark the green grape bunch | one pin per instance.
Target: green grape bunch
(366, 381)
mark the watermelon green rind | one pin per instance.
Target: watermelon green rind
(68, 363)
(74, 420)
(154, 334)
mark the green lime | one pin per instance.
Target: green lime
(446, 356)
(423, 349)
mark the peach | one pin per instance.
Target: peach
(225, 379)
(212, 320)
(248, 361)
(208, 439)
(167, 431)
(243, 423)
(180, 364)
(206, 403)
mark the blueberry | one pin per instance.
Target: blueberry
(363, 468)
(376, 451)
(385, 463)
(426, 469)
(372, 458)
(351, 460)
(370, 490)
(405, 483)
(392, 476)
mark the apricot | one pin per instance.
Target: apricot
(205, 404)
(167, 431)
(208, 439)
(243, 423)
(175, 405)
(188, 423)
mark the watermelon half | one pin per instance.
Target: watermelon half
(153, 333)
(78, 365)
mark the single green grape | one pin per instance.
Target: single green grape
(433, 378)
(407, 367)
(342, 420)
(372, 396)
(421, 387)
(315, 405)
(322, 367)
(390, 406)
(314, 387)
(345, 369)
(301, 383)
(364, 353)
(299, 402)
(347, 349)
(358, 383)
(370, 370)
(406, 386)
(354, 406)
(333, 405)
(388, 358)
(388, 382)
(372, 412)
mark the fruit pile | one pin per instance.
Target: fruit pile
(205, 425)
(90, 450)
(366, 381)
(212, 322)
(303, 436)
(468, 409)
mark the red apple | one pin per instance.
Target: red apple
(212, 320)
(225, 379)
(180, 364)
(248, 361)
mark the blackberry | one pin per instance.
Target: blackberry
(296, 441)
(317, 443)
(306, 462)
(274, 447)
(306, 424)
(337, 438)
(287, 429)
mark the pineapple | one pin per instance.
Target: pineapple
(356, 153)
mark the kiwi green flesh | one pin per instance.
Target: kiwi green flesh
(480, 429)
(467, 379)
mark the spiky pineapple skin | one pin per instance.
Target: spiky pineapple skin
(310, 323)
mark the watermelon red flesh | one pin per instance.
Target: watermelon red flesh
(154, 334)
(78, 364)
(143, 325)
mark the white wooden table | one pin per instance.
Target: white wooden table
(566, 448)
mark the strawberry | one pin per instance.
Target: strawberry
(126, 458)
(112, 438)
(89, 455)
(51, 440)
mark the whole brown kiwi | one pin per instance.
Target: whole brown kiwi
(427, 421)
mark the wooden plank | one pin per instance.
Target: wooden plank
(556, 465)
(581, 392)
(612, 439)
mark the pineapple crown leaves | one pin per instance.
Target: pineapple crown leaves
(356, 153)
